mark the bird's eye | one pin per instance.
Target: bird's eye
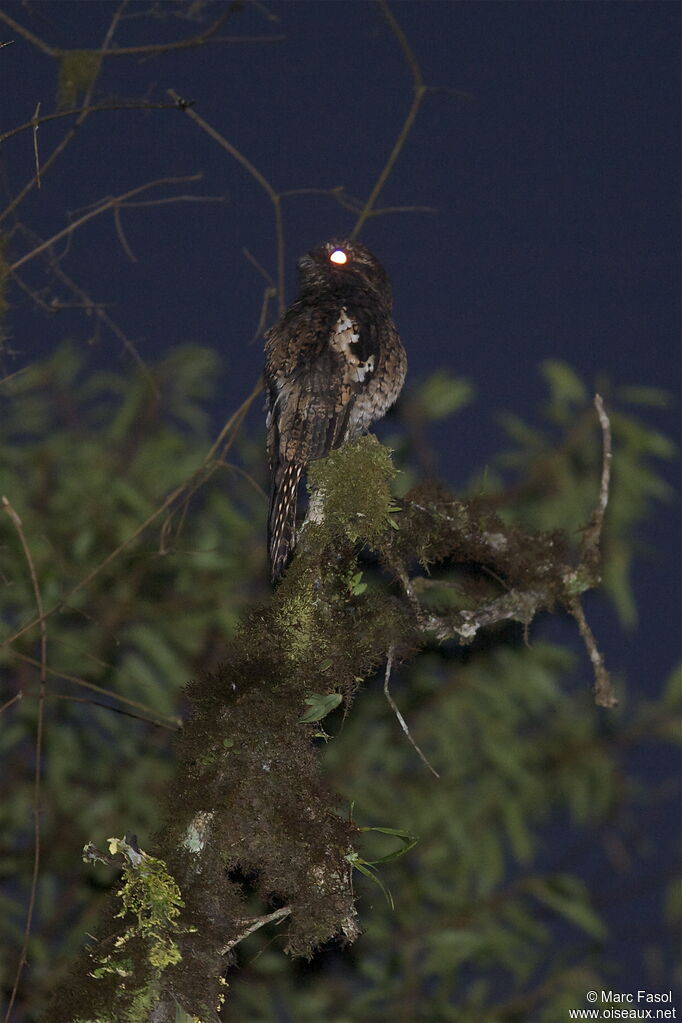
(339, 257)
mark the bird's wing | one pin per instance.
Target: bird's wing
(313, 378)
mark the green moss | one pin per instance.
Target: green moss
(78, 69)
(151, 897)
(297, 618)
(353, 486)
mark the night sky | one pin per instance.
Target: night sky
(549, 152)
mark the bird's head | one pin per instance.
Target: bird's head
(342, 265)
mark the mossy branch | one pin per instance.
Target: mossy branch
(249, 812)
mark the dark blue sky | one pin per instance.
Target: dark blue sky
(555, 180)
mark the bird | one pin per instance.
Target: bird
(334, 364)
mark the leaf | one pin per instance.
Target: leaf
(637, 395)
(566, 385)
(356, 586)
(320, 705)
(409, 841)
(441, 395)
(365, 868)
(569, 903)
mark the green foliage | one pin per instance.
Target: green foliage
(85, 459)
(440, 395)
(321, 704)
(480, 923)
(558, 477)
(78, 71)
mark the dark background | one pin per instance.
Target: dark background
(549, 152)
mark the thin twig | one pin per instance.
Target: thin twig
(269, 292)
(14, 699)
(80, 120)
(122, 236)
(104, 317)
(35, 144)
(97, 108)
(147, 203)
(114, 710)
(108, 204)
(259, 267)
(419, 91)
(254, 925)
(593, 531)
(227, 439)
(604, 693)
(38, 754)
(174, 720)
(207, 36)
(273, 196)
(401, 719)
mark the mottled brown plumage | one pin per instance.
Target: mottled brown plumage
(333, 365)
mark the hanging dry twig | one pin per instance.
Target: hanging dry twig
(403, 724)
(604, 694)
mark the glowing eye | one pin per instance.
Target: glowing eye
(339, 256)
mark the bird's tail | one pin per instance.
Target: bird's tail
(282, 516)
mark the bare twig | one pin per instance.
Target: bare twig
(114, 710)
(604, 693)
(108, 204)
(147, 203)
(37, 122)
(254, 925)
(259, 267)
(174, 720)
(103, 316)
(257, 176)
(122, 236)
(26, 34)
(87, 100)
(394, 707)
(209, 35)
(35, 144)
(38, 754)
(420, 90)
(593, 531)
(14, 699)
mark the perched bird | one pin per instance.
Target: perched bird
(333, 365)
